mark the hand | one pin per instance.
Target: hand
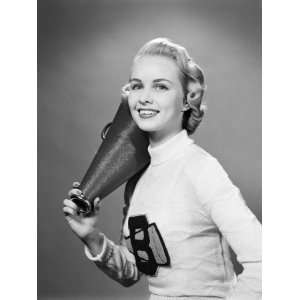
(84, 226)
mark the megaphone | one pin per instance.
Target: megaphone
(121, 155)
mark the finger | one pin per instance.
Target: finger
(68, 211)
(76, 184)
(97, 201)
(97, 204)
(74, 192)
(72, 221)
(70, 203)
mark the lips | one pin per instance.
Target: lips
(147, 112)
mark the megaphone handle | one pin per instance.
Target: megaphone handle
(85, 207)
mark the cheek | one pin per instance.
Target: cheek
(173, 105)
(131, 102)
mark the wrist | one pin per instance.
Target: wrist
(94, 242)
(104, 255)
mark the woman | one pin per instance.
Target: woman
(182, 212)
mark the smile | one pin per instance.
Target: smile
(147, 113)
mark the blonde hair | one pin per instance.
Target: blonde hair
(191, 77)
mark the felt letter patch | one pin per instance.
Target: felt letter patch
(147, 245)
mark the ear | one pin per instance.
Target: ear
(194, 91)
(125, 91)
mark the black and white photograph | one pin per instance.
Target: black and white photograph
(149, 149)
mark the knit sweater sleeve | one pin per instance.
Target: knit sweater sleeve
(223, 203)
(115, 260)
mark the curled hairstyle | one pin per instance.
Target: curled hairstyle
(191, 78)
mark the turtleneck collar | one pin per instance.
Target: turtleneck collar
(170, 148)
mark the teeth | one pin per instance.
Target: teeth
(147, 113)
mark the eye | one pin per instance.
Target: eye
(161, 87)
(135, 86)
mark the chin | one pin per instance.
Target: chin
(146, 124)
(146, 127)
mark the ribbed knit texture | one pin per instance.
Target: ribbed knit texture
(197, 210)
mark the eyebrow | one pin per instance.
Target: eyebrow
(155, 80)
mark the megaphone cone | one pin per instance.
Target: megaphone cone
(121, 155)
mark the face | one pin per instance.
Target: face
(156, 96)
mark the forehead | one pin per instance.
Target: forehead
(151, 67)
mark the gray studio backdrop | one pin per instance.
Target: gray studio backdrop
(85, 50)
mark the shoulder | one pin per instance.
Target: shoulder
(129, 189)
(198, 161)
(131, 183)
(206, 174)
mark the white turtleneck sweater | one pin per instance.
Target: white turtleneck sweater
(183, 214)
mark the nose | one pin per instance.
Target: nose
(145, 98)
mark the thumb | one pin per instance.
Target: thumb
(72, 222)
(97, 204)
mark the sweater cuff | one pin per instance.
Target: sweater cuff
(105, 253)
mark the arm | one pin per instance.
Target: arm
(242, 231)
(224, 204)
(114, 260)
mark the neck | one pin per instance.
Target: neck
(157, 138)
(172, 147)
